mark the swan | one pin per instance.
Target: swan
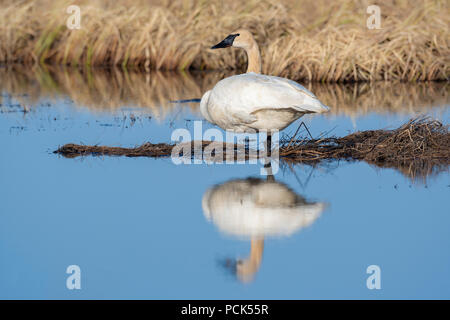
(255, 209)
(253, 102)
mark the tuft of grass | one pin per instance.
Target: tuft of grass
(418, 148)
(315, 40)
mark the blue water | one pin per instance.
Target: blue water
(136, 228)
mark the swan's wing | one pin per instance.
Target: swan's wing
(227, 104)
(282, 82)
(254, 92)
(242, 117)
(232, 115)
(287, 93)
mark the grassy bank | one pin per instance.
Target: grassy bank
(304, 40)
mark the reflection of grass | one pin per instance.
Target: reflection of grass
(107, 88)
(113, 88)
(316, 40)
(382, 97)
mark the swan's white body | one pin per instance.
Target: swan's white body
(255, 102)
(256, 209)
(252, 101)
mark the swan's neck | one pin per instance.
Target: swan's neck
(256, 251)
(249, 266)
(254, 58)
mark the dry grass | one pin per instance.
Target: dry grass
(148, 149)
(316, 40)
(113, 88)
(419, 148)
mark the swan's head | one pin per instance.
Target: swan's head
(240, 38)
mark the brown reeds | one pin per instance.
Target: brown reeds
(418, 148)
(307, 41)
(146, 150)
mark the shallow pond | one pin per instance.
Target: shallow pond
(145, 228)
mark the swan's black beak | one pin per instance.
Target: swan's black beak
(227, 42)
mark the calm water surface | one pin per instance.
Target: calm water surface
(137, 227)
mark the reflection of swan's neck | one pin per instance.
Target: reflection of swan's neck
(248, 267)
(254, 58)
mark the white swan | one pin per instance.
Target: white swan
(256, 209)
(254, 102)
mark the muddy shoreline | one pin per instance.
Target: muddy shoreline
(418, 148)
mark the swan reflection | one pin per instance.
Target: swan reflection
(256, 209)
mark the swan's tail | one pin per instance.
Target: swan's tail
(325, 108)
(312, 104)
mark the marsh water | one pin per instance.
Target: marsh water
(142, 228)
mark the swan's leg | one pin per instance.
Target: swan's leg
(268, 165)
(269, 144)
(247, 145)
